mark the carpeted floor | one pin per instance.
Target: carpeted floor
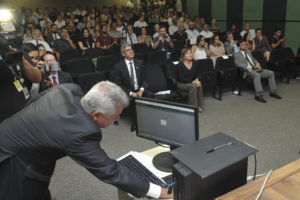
(274, 128)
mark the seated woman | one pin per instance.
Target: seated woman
(41, 50)
(188, 78)
(144, 38)
(249, 42)
(96, 32)
(114, 32)
(72, 29)
(200, 51)
(216, 48)
(86, 40)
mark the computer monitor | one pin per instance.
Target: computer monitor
(168, 123)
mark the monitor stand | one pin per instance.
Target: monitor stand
(163, 161)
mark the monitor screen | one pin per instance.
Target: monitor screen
(166, 122)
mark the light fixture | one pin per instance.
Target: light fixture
(5, 15)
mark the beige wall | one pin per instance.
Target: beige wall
(60, 3)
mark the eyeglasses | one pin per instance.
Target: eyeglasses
(127, 50)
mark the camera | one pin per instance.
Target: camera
(49, 67)
(165, 36)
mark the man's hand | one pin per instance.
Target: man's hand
(164, 194)
(258, 67)
(250, 69)
(133, 94)
(140, 93)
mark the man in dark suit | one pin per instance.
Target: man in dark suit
(130, 77)
(62, 122)
(253, 70)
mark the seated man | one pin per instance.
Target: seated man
(53, 35)
(63, 43)
(205, 32)
(163, 42)
(130, 77)
(104, 41)
(64, 122)
(247, 29)
(173, 28)
(253, 70)
(130, 36)
(230, 44)
(37, 39)
(140, 23)
(262, 44)
(213, 26)
(156, 30)
(192, 33)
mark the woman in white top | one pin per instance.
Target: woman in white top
(200, 51)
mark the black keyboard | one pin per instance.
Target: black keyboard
(140, 170)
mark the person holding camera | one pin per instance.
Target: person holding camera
(163, 42)
(17, 73)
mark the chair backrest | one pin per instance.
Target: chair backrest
(222, 63)
(140, 48)
(106, 63)
(114, 50)
(175, 55)
(205, 65)
(155, 78)
(87, 80)
(298, 52)
(157, 57)
(93, 53)
(282, 55)
(258, 55)
(68, 54)
(79, 65)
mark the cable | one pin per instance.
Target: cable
(255, 166)
(263, 186)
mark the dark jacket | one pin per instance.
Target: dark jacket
(48, 129)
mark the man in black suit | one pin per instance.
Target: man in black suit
(62, 122)
(130, 77)
(57, 77)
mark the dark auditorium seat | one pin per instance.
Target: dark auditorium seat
(106, 64)
(79, 65)
(67, 55)
(87, 80)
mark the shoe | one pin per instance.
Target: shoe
(276, 96)
(133, 128)
(200, 110)
(116, 123)
(260, 99)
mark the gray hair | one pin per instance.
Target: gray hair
(124, 46)
(105, 96)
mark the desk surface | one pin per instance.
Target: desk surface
(283, 184)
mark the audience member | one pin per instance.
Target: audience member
(192, 33)
(156, 30)
(104, 41)
(53, 35)
(200, 51)
(213, 26)
(71, 28)
(205, 32)
(130, 36)
(253, 70)
(247, 29)
(96, 32)
(262, 44)
(38, 39)
(180, 36)
(277, 40)
(140, 23)
(173, 28)
(235, 32)
(249, 42)
(230, 44)
(60, 22)
(216, 48)
(130, 77)
(86, 41)
(144, 38)
(114, 32)
(163, 42)
(83, 23)
(188, 79)
(44, 21)
(63, 43)
(28, 35)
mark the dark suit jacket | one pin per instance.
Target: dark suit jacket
(122, 77)
(64, 77)
(51, 126)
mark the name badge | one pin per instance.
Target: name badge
(18, 85)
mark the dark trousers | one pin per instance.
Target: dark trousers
(15, 185)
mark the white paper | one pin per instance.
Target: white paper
(163, 92)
